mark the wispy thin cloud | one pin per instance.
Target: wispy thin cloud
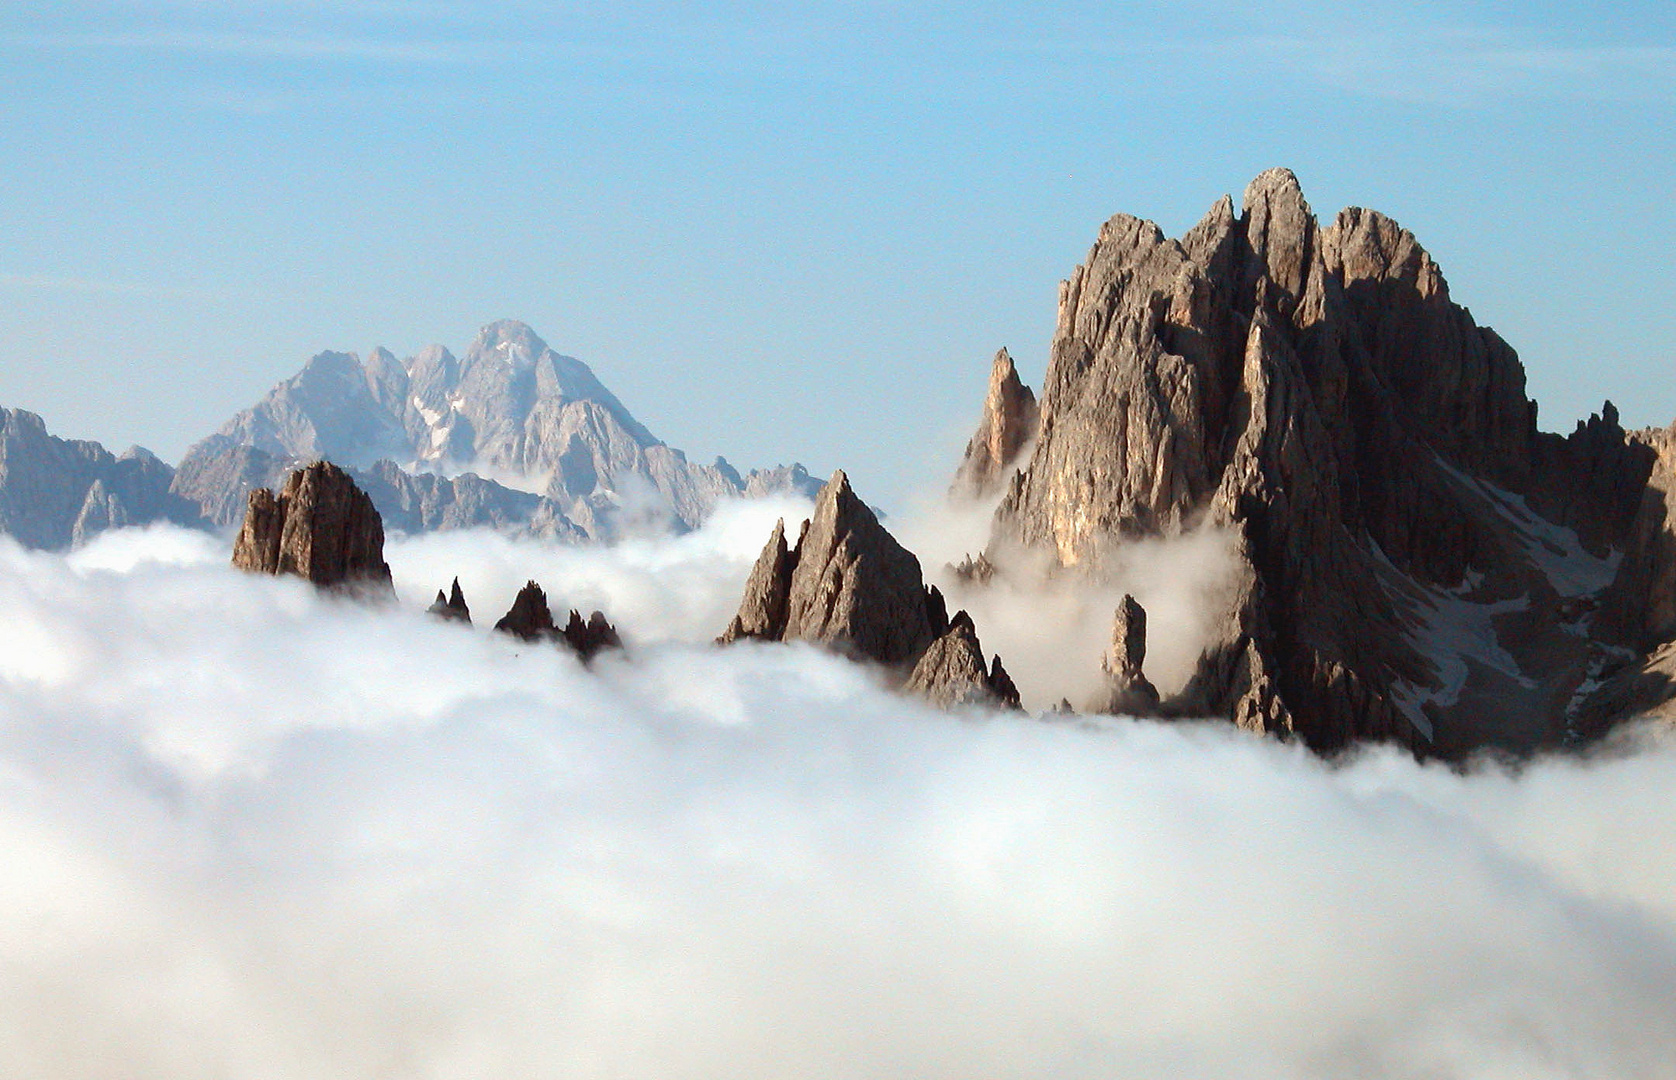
(1432, 65)
(1465, 67)
(255, 44)
(99, 287)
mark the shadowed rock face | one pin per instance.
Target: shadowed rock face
(1316, 389)
(1009, 422)
(320, 527)
(763, 611)
(529, 618)
(451, 605)
(590, 638)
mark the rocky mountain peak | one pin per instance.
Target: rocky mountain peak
(847, 584)
(951, 672)
(55, 493)
(451, 606)
(508, 341)
(1008, 424)
(535, 421)
(319, 527)
(1317, 391)
(529, 618)
(433, 363)
(329, 369)
(1280, 227)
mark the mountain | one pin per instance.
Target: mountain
(58, 492)
(512, 411)
(1417, 562)
(318, 526)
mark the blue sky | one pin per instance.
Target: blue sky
(784, 230)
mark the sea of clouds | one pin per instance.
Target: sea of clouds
(250, 831)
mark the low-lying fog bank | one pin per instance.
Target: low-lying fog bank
(248, 831)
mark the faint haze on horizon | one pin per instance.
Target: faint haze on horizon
(786, 231)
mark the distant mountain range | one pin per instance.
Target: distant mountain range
(513, 436)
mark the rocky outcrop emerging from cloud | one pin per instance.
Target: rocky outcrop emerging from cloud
(451, 606)
(588, 638)
(848, 585)
(1010, 418)
(951, 672)
(1418, 562)
(319, 527)
(511, 415)
(1128, 692)
(55, 493)
(530, 619)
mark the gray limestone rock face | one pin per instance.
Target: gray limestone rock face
(952, 673)
(328, 410)
(426, 502)
(319, 527)
(218, 475)
(780, 480)
(56, 493)
(1317, 391)
(1009, 423)
(853, 586)
(512, 409)
(763, 610)
(846, 584)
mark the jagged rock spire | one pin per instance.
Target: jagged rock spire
(952, 671)
(1128, 691)
(452, 605)
(847, 584)
(529, 618)
(1008, 425)
(762, 612)
(592, 637)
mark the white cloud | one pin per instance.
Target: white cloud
(250, 831)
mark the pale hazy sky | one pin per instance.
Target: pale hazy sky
(783, 231)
